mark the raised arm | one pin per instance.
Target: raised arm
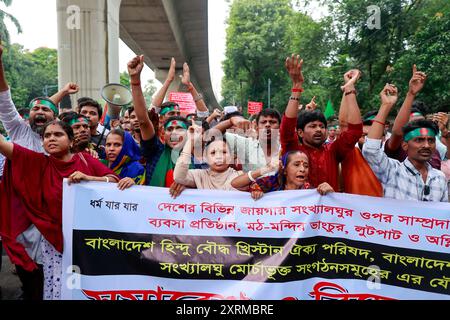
(294, 67)
(198, 98)
(216, 113)
(238, 122)
(312, 105)
(381, 164)
(389, 96)
(353, 115)
(343, 114)
(415, 85)
(3, 83)
(70, 88)
(6, 148)
(344, 108)
(442, 120)
(9, 116)
(349, 118)
(181, 173)
(288, 135)
(161, 94)
(135, 67)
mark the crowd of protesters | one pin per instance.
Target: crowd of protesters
(158, 146)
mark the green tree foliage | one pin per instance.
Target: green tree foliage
(430, 50)
(255, 50)
(125, 79)
(4, 34)
(386, 54)
(29, 72)
(311, 39)
(411, 32)
(149, 91)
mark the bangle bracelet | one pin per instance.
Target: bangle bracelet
(297, 90)
(107, 179)
(199, 97)
(294, 98)
(382, 123)
(136, 83)
(250, 176)
(351, 92)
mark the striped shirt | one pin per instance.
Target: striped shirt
(401, 180)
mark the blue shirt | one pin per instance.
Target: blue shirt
(152, 150)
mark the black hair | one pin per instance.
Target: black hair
(231, 115)
(67, 116)
(71, 115)
(82, 99)
(91, 103)
(421, 123)
(168, 104)
(64, 125)
(419, 106)
(130, 110)
(24, 112)
(269, 113)
(306, 117)
(178, 118)
(118, 131)
(367, 115)
(213, 139)
(191, 115)
(205, 125)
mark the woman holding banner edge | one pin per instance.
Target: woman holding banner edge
(41, 191)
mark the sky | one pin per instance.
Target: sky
(42, 32)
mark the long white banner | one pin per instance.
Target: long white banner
(140, 244)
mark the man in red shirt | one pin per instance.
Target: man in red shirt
(323, 158)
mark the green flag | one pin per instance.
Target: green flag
(329, 110)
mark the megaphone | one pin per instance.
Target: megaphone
(116, 97)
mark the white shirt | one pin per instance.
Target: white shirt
(2, 164)
(401, 180)
(19, 131)
(250, 152)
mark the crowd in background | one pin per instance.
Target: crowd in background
(159, 146)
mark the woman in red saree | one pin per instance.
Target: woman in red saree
(38, 180)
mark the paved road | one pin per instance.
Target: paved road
(9, 283)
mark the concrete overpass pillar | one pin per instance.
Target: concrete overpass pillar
(88, 43)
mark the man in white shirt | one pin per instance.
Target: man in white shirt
(254, 153)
